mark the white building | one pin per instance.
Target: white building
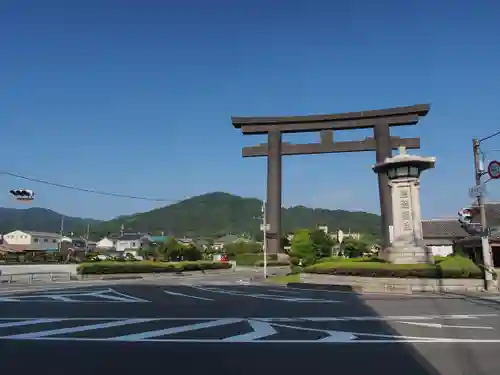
(38, 239)
(105, 243)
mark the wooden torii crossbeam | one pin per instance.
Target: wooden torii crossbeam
(382, 143)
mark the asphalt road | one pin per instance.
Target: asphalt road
(219, 325)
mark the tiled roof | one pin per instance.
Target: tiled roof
(492, 214)
(159, 238)
(443, 228)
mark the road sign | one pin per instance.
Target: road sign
(494, 169)
(267, 227)
(476, 191)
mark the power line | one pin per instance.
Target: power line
(92, 191)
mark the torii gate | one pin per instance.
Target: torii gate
(382, 143)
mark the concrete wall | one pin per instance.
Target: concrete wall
(37, 268)
(407, 285)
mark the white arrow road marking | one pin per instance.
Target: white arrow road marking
(106, 295)
(438, 325)
(260, 330)
(333, 336)
(52, 332)
(187, 295)
(170, 331)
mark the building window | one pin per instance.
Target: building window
(35, 240)
(54, 241)
(133, 244)
(45, 240)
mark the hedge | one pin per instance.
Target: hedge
(105, 267)
(452, 267)
(251, 259)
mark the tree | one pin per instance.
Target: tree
(192, 253)
(353, 248)
(172, 250)
(322, 243)
(303, 247)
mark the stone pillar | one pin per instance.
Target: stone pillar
(383, 151)
(273, 206)
(408, 246)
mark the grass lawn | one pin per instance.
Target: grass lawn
(284, 279)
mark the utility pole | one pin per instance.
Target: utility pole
(264, 230)
(485, 243)
(61, 231)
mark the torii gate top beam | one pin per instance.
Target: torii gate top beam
(340, 121)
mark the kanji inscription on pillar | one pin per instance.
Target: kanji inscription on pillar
(404, 199)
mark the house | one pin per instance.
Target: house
(225, 240)
(105, 243)
(203, 244)
(440, 235)
(35, 240)
(131, 242)
(472, 243)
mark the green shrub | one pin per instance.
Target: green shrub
(452, 267)
(107, 267)
(360, 259)
(272, 263)
(251, 259)
(459, 267)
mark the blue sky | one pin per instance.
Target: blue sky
(135, 97)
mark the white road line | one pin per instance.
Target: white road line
(282, 291)
(61, 331)
(260, 330)
(437, 325)
(273, 319)
(60, 298)
(122, 297)
(269, 342)
(187, 295)
(27, 322)
(169, 331)
(384, 318)
(266, 296)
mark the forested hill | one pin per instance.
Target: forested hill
(221, 213)
(210, 214)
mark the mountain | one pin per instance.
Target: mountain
(40, 219)
(221, 213)
(208, 215)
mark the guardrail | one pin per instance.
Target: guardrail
(32, 276)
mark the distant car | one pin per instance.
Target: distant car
(224, 258)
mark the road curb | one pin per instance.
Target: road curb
(121, 277)
(334, 287)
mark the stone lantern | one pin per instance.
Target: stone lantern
(407, 245)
